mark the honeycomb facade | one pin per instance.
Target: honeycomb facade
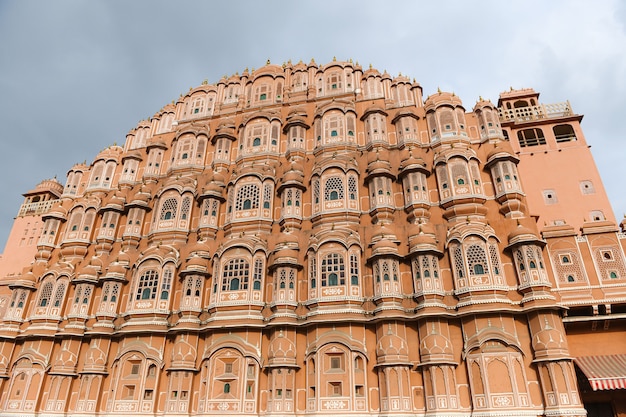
(316, 240)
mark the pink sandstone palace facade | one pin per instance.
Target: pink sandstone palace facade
(321, 240)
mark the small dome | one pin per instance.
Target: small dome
(501, 150)
(522, 234)
(384, 241)
(116, 270)
(548, 338)
(409, 162)
(56, 212)
(123, 258)
(442, 98)
(482, 103)
(195, 264)
(384, 247)
(88, 272)
(199, 248)
(392, 346)
(116, 202)
(436, 344)
(422, 238)
(52, 185)
(281, 351)
(293, 176)
(111, 153)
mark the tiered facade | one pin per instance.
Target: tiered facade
(307, 240)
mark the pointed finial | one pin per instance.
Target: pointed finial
(439, 90)
(334, 59)
(267, 62)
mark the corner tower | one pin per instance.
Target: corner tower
(558, 172)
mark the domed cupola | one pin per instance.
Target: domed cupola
(56, 212)
(286, 252)
(436, 348)
(27, 279)
(392, 350)
(213, 187)
(384, 242)
(378, 164)
(422, 239)
(115, 202)
(196, 265)
(141, 198)
(281, 352)
(292, 177)
(409, 162)
(112, 152)
(523, 235)
(501, 151)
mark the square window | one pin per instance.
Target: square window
(335, 389)
(134, 370)
(335, 362)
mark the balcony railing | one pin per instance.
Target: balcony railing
(38, 208)
(539, 112)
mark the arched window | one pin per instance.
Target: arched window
(58, 295)
(333, 270)
(477, 259)
(256, 142)
(235, 275)
(168, 209)
(46, 294)
(147, 285)
(333, 189)
(258, 274)
(564, 133)
(247, 197)
(227, 385)
(354, 269)
(166, 284)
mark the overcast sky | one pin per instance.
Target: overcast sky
(76, 76)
